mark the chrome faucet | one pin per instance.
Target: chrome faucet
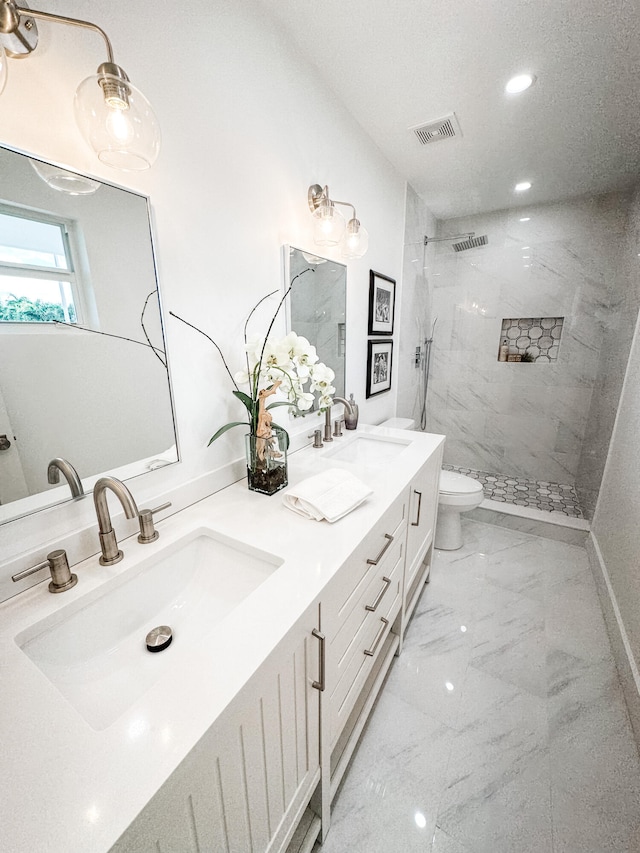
(53, 475)
(327, 416)
(108, 543)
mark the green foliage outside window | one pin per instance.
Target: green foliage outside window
(21, 309)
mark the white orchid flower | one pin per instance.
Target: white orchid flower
(254, 351)
(241, 377)
(305, 401)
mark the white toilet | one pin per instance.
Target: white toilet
(457, 494)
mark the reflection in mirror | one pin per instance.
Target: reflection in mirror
(83, 374)
(317, 307)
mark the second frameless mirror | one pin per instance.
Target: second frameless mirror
(317, 307)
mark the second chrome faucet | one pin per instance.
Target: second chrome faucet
(111, 553)
(108, 543)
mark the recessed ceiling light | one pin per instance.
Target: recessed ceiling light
(519, 83)
(522, 186)
(525, 219)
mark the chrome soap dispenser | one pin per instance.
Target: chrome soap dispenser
(351, 421)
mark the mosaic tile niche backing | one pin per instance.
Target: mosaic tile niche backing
(533, 338)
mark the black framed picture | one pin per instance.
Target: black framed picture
(379, 355)
(382, 298)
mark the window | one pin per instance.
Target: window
(37, 276)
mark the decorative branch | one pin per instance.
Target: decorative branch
(191, 326)
(280, 304)
(144, 330)
(156, 350)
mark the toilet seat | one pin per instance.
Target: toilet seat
(454, 484)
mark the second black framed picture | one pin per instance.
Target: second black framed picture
(378, 367)
(382, 298)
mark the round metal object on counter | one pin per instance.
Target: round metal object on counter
(158, 639)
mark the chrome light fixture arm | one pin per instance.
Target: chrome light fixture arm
(115, 118)
(11, 13)
(317, 196)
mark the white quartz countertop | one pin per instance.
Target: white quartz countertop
(71, 789)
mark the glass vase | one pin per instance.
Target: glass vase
(267, 462)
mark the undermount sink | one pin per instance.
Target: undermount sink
(94, 650)
(369, 449)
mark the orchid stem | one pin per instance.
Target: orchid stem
(191, 326)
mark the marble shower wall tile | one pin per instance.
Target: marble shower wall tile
(536, 415)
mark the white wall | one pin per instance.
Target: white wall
(247, 126)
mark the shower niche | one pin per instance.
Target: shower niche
(530, 339)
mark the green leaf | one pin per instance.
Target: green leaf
(281, 403)
(246, 399)
(223, 429)
(282, 429)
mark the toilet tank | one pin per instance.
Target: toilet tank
(399, 423)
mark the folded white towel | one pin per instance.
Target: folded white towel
(330, 495)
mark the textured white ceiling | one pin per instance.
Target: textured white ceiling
(404, 62)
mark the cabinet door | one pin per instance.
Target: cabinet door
(245, 783)
(423, 507)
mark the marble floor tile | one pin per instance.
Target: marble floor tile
(574, 621)
(444, 843)
(513, 818)
(578, 827)
(429, 682)
(502, 726)
(399, 735)
(381, 812)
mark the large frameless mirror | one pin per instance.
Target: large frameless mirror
(83, 367)
(317, 307)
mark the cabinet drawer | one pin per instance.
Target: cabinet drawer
(360, 655)
(372, 601)
(349, 585)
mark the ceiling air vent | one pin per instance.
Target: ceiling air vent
(470, 243)
(435, 131)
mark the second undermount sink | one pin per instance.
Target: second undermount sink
(94, 650)
(368, 449)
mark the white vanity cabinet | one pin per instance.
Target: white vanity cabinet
(245, 785)
(360, 616)
(421, 524)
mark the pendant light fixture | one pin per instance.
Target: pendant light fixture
(330, 226)
(113, 115)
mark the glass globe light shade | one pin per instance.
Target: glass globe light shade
(3, 68)
(118, 122)
(356, 240)
(329, 226)
(64, 181)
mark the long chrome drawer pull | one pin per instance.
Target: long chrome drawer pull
(375, 562)
(376, 642)
(417, 521)
(319, 685)
(373, 607)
